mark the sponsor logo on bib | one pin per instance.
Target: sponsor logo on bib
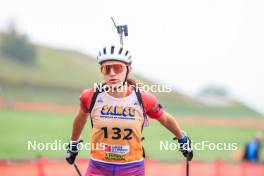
(120, 112)
(117, 149)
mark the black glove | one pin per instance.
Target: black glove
(72, 151)
(185, 147)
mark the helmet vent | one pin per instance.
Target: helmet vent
(112, 49)
(120, 50)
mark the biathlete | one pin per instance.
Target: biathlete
(118, 110)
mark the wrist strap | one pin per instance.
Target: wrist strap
(183, 139)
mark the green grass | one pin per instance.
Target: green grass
(17, 127)
(233, 110)
(198, 134)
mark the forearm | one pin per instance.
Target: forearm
(169, 122)
(78, 125)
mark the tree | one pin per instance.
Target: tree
(17, 46)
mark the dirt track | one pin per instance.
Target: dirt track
(186, 120)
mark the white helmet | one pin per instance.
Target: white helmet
(117, 53)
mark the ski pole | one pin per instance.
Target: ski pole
(187, 167)
(77, 169)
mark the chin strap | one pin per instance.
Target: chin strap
(126, 75)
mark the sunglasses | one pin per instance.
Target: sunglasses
(117, 68)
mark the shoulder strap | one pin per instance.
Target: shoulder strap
(96, 93)
(93, 100)
(145, 123)
(139, 97)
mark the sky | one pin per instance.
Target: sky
(188, 44)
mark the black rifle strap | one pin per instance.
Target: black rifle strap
(96, 93)
(139, 97)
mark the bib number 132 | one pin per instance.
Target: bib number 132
(117, 133)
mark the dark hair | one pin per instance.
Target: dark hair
(131, 81)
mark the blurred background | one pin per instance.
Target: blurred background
(209, 52)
